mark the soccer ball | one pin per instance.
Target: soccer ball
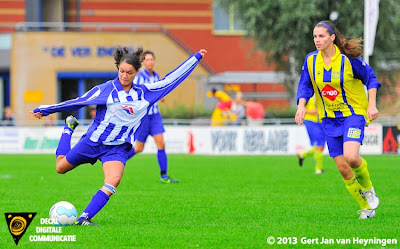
(63, 213)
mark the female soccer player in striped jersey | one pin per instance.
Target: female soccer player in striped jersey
(121, 107)
(153, 122)
(337, 76)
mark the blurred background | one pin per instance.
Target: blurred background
(55, 50)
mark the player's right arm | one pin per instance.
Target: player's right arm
(95, 96)
(304, 92)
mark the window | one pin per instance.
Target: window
(225, 22)
(75, 84)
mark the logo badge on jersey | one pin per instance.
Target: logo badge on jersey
(128, 109)
(329, 92)
(335, 75)
(354, 133)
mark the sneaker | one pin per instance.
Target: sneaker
(72, 122)
(372, 198)
(319, 171)
(168, 180)
(86, 222)
(366, 213)
(300, 160)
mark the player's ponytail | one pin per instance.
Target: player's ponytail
(123, 55)
(351, 48)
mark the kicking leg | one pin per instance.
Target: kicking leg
(113, 171)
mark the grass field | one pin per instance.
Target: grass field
(220, 202)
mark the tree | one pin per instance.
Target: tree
(283, 29)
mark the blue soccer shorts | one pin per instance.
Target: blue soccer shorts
(151, 125)
(315, 133)
(86, 151)
(341, 130)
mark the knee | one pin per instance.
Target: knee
(114, 181)
(139, 147)
(60, 169)
(352, 160)
(161, 145)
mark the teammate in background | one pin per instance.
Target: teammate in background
(153, 123)
(317, 136)
(8, 119)
(222, 112)
(337, 76)
(121, 107)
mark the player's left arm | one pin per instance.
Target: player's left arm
(364, 72)
(156, 91)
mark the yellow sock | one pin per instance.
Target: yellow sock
(362, 175)
(318, 159)
(354, 188)
(308, 153)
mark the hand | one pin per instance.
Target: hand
(372, 112)
(38, 115)
(301, 111)
(203, 52)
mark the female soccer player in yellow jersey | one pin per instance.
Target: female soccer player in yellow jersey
(337, 76)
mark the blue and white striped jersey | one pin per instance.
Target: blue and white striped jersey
(120, 113)
(145, 77)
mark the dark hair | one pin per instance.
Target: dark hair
(146, 53)
(351, 48)
(214, 90)
(123, 55)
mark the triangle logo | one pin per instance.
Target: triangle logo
(18, 223)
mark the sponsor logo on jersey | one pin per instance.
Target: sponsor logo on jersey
(128, 109)
(354, 133)
(329, 92)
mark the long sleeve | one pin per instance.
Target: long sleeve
(95, 96)
(305, 89)
(364, 72)
(156, 91)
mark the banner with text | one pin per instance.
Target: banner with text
(229, 140)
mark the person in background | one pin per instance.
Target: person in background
(153, 122)
(316, 134)
(238, 108)
(8, 119)
(222, 113)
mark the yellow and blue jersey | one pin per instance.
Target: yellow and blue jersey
(311, 105)
(339, 86)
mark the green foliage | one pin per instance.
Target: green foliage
(283, 28)
(182, 111)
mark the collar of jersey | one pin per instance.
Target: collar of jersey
(333, 58)
(149, 74)
(117, 85)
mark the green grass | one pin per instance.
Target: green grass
(220, 202)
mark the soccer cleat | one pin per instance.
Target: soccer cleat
(319, 171)
(168, 180)
(72, 122)
(86, 222)
(366, 213)
(372, 198)
(300, 160)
